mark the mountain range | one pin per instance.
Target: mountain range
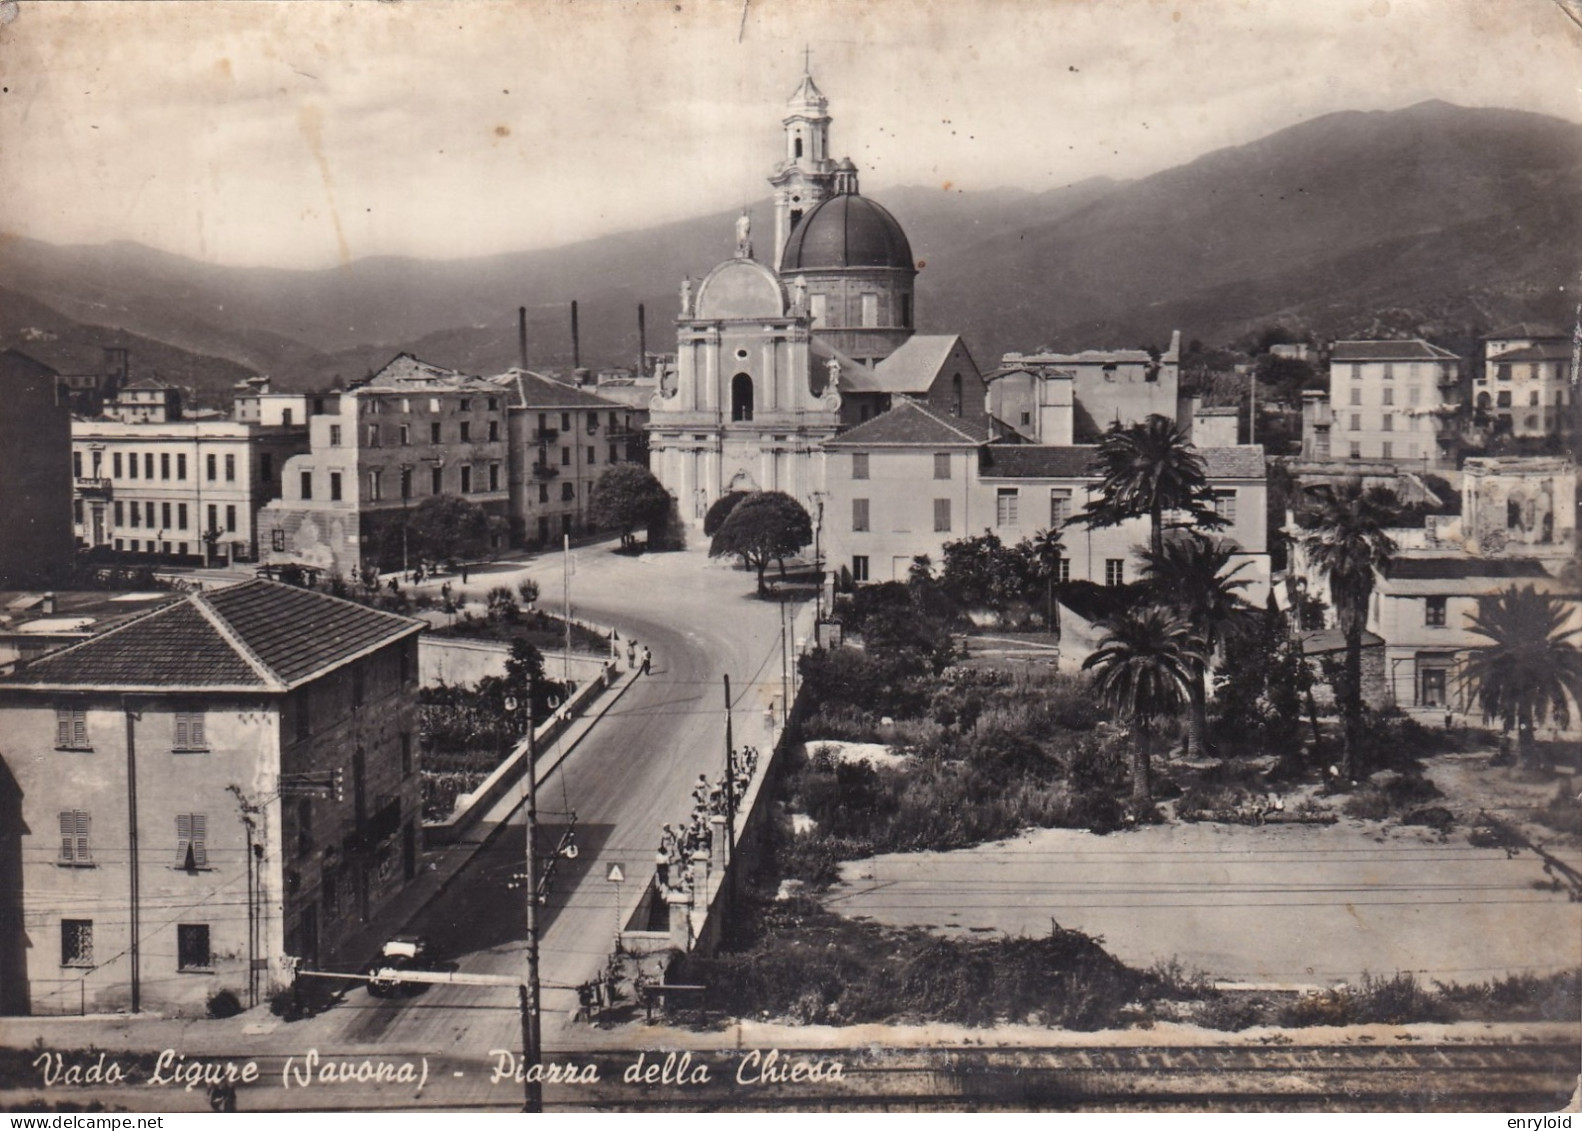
(1435, 219)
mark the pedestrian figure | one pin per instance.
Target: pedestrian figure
(647, 659)
(631, 654)
(584, 1003)
(395, 585)
(662, 866)
(444, 592)
(464, 574)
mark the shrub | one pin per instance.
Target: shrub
(223, 1004)
(1563, 814)
(1332, 1007)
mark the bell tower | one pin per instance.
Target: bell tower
(805, 175)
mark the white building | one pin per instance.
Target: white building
(1389, 401)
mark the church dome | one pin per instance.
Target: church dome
(846, 231)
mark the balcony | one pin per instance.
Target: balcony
(545, 471)
(90, 485)
(545, 435)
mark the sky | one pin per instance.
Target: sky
(308, 133)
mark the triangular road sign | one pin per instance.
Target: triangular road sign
(616, 875)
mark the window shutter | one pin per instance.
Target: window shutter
(68, 837)
(183, 839)
(62, 728)
(79, 729)
(195, 731)
(183, 737)
(200, 840)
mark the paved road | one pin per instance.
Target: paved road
(633, 773)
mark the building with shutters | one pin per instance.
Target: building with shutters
(170, 823)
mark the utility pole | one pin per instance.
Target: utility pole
(785, 665)
(565, 576)
(528, 993)
(135, 907)
(730, 777)
(1252, 411)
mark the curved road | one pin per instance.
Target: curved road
(631, 774)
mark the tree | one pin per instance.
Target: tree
(716, 515)
(1532, 670)
(526, 682)
(627, 496)
(1143, 667)
(1347, 539)
(1044, 553)
(1147, 469)
(448, 528)
(1192, 574)
(764, 527)
(982, 572)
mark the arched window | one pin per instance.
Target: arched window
(741, 397)
(799, 146)
(955, 395)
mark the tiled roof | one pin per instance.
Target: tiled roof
(534, 390)
(1035, 461)
(260, 635)
(910, 423)
(1530, 330)
(915, 363)
(1323, 640)
(1413, 349)
(1550, 350)
(1448, 569)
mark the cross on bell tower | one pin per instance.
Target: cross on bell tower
(805, 175)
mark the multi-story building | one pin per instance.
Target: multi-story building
(877, 517)
(1060, 398)
(411, 432)
(562, 438)
(1390, 401)
(255, 403)
(144, 402)
(1525, 382)
(177, 490)
(35, 465)
(170, 819)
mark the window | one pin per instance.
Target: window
(132, 465)
(76, 942)
(230, 468)
(1414, 395)
(494, 477)
(615, 454)
(285, 417)
(192, 947)
(466, 431)
(859, 514)
(941, 516)
(181, 516)
(189, 731)
(436, 480)
(565, 457)
(1356, 394)
(494, 404)
(192, 841)
(1532, 398)
(941, 465)
(870, 309)
(1389, 371)
(181, 465)
(335, 487)
(148, 513)
(741, 398)
(1502, 372)
(307, 484)
(433, 432)
(406, 482)
(1356, 422)
(214, 518)
(375, 493)
(148, 465)
(906, 310)
(1225, 505)
(406, 435)
(1433, 689)
(1063, 570)
(335, 435)
(164, 516)
(859, 567)
(543, 492)
(1503, 399)
(76, 511)
(818, 308)
(859, 465)
(277, 541)
(465, 404)
(1115, 571)
(1389, 396)
(1059, 507)
(120, 517)
(1356, 371)
(494, 431)
(1434, 613)
(1388, 423)
(210, 467)
(373, 435)
(74, 838)
(565, 422)
(568, 492)
(1027, 419)
(466, 479)
(1388, 450)
(1006, 503)
(115, 464)
(164, 465)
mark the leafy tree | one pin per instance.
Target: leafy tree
(983, 572)
(1143, 666)
(1043, 553)
(1147, 469)
(525, 681)
(627, 496)
(716, 515)
(1346, 540)
(1261, 689)
(448, 528)
(1532, 669)
(764, 527)
(1192, 574)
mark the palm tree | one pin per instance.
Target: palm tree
(1144, 666)
(1148, 469)
(1347, 541)
(1045, 551)
(1532, 670)
(1192, 574)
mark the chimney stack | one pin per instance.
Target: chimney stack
(642, 343)
(576, 339)
(521, 337)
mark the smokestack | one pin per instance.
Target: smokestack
(642, 343)
(576, 339)
(521, 337)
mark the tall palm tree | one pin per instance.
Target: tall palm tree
(1192, 574)
(1143, 668)
(1532, 670)
(1346, 540)
(1147, 469)
(1045, 551)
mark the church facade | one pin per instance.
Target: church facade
(772, 360)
